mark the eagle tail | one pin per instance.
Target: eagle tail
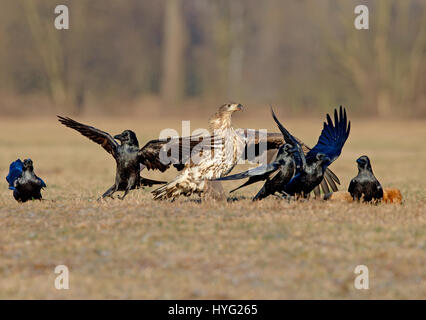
(180, 186)
(165, 192)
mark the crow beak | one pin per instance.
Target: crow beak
(358, 161)
(118, 137)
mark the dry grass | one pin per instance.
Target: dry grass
(139, 248)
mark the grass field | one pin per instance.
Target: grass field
(139, 248)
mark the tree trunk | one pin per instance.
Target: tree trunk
(173, 77)
(50, 50)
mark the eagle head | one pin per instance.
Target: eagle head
(231, 107)
(222, 119)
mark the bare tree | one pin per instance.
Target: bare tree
(174, 44)
(50, 50)
(382, 63)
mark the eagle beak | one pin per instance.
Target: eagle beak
(239, 107)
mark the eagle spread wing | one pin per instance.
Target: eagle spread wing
(162, 153)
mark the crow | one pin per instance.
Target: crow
(273, 142)
(131, 159)
(365, 186)
(307, 179)
(310, 169)
(24, 182)
(276, 173)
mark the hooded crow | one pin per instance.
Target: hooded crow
(365, 186)
(310, 169)
(24, 182)
(131, 159)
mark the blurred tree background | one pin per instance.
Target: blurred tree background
(173, 54)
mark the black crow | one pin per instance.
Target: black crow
(23, 181)
(130, 158)
(365, 186)
(276, 173)
(311, 168)
(308, 178)
(274, 141)
(308, 172)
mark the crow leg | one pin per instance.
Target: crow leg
(109, 192)
(287, 197)
(124, 195)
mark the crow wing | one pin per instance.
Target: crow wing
(253, 179)
(149, 182)
(332, 137)
(256, 178)
(259, 173)
(352, 186)
(100, 137)
(299, 156)
(15, 171)
(41, 182)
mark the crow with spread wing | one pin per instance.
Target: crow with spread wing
(274, 141)
(24, 182)
(277, 179)
(131, 159)
(328, 148)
